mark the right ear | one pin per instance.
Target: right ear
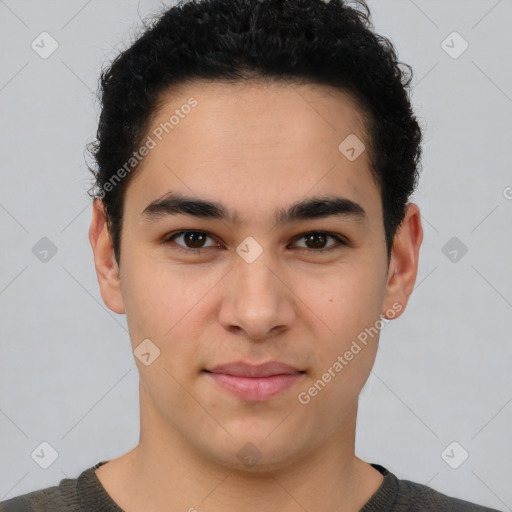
(107, 269)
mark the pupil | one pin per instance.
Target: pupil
(189, 237)
(315, 237)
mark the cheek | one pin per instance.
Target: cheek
(160, 307)
(164, 302)
(344, 308)
(345, 300)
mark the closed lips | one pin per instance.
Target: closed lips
(239, 369)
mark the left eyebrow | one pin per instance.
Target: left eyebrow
(305, 209)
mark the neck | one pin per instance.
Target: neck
(165, 473)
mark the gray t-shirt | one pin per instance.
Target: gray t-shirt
(86, 494)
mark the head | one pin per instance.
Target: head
(253, 166)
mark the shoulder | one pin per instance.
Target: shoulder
(396, 495)
(416, 497)
(49, 499)
(64, 497)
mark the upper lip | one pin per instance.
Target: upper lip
(243, 369)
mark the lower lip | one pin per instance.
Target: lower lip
(255, 389)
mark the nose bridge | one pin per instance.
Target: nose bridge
(257, 300)
(255, 281)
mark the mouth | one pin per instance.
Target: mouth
(255, 382)
(246, 369)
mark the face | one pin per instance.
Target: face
(249, 278)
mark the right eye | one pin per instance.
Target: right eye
(195, 238)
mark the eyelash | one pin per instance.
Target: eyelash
(340, 241)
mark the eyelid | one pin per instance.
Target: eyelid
(319, 231)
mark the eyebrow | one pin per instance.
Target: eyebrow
(174, 203)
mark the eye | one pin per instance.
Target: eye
(317, 240)
(195, 239)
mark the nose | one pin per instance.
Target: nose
(257, 300)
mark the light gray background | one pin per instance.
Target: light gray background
(67, 375)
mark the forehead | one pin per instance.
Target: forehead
(261, 113)
(231, 142)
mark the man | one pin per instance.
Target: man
(251, 219)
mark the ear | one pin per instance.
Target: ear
(107, 269)
(403, 265)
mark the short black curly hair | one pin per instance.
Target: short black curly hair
(295, 41)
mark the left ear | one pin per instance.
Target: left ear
(403, 264)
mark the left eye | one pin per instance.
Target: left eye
(194, 241)
(319, 238)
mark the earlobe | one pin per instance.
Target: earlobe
(107, 269)
(404, 261)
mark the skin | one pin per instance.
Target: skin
(254, 148)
